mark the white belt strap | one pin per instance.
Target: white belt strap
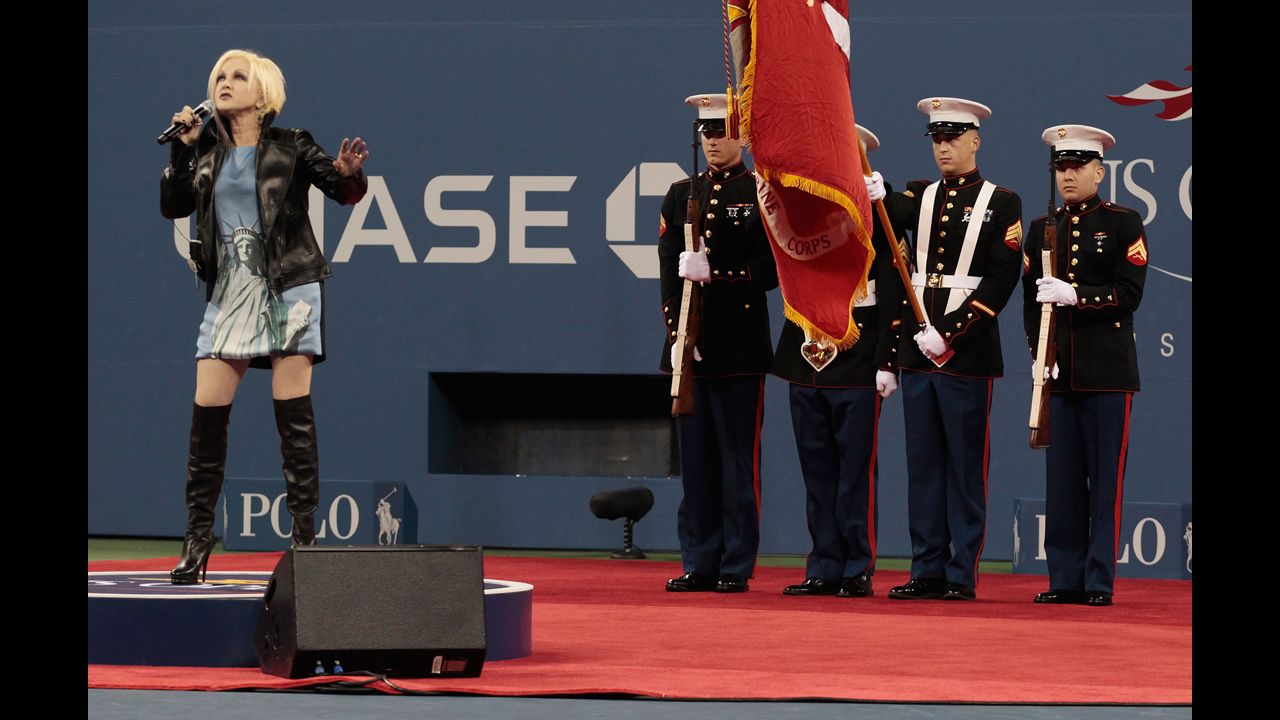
(961, 281)
(976, 219)
(937, 280)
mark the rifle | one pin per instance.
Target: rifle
(899, 261)
(1046, 348)
(689, 326)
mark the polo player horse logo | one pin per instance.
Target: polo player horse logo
(388, 527)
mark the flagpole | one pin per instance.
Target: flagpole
(899, 261)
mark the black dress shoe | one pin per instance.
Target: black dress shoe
(956, 591)
(731, 584)
(1097, 598)
(1061, 597)
(859, 586)
(812, 586)
(918, 588)
(691, 582)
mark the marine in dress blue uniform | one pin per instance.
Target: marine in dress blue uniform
(1097, 285)
(719, 515)
(835, 413)
(967, 259)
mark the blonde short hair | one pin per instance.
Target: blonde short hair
(261, 69)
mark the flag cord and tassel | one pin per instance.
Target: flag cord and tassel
(731, 116)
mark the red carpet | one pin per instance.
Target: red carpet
(607, 626)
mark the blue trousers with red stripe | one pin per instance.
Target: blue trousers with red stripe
(836, 439)
(946, 419)
(719, 516)
(1088, 448)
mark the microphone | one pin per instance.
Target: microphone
(201, 111)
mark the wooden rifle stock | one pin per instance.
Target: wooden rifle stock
(690, 325)
(1046, 347)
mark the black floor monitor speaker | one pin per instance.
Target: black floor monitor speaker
(400, 611)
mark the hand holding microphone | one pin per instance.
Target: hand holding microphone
(187, 123)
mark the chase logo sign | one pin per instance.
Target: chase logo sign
(648, 179)
(644, 180)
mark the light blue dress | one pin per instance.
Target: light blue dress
(245, 319)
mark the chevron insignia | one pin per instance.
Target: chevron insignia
(1137, 253)
(1013, 236)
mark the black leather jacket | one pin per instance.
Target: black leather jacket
(289, 163)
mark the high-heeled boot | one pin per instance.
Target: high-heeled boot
(296, 423)
(206, 461)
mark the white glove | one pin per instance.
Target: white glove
(1048, 374)
(697, 356)
(886, 383)
(694, 266)
(930, 342)
(875, 185)
(1050, 289)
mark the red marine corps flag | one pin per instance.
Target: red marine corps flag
(797, 114)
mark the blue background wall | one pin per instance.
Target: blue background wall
(564, 100)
